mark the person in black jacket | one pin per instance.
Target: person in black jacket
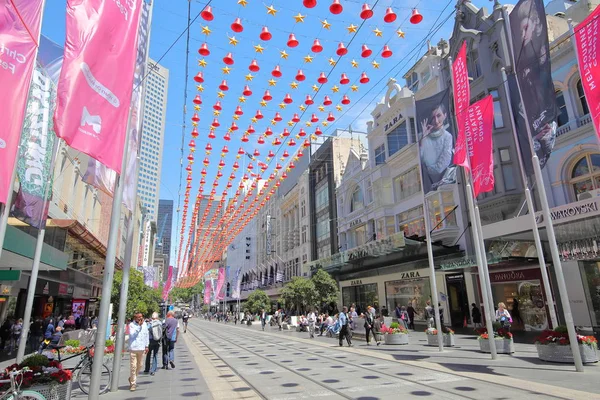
(476, 316)
(369, 326)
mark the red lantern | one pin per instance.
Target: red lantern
(276, 72)
(207, 14)
(234, 126)
(267, 96)
(292, 41)
(247, 91)
(195, 132)
(258, 115)
(245, 139)
(327, 101)
(203, 50)
(341, 50)
(302, 132)
(277, 142)
(318, 133)
(336, 7)
(364, 78)
(221, 163)
(288, 99)
(390, 15)
(256, 153)
(309, 101)
(211, 134)
(215, 123)
(309, 3)
(292, 166)
(300, 76)
(235, 165)
(265, 34)
(268, 131)
(290, 143)
(314, 118)
(227, 136)
(223, 86)
(306, 143)
(344, 80)
(416, 17)
(261, 140)
(366, 52)
(295, 118)
(250, 167)
(286, 133)
(199, 77)
(366, 12)
(330, 117)
(316, 47)
(237, 25)
(278, 166)
(250, 129)
(271, 154)
(228, 59)
(217, 106)
(387, 52)
(224, 150)
(195, 117)
(277, 117)
(197, 100)
(192, 145)
(322, 78)
(254, 66)
(345, 100)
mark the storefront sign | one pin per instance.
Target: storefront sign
(410, 275)
(81, 293)
(466, 262)
(454, 277)
(62, 289)
(393, 122)
(572, 211)
(356, 282)
(46, 289)
(514, 276)
(356, 222)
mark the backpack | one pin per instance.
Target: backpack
(156, 330)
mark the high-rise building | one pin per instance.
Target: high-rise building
(163, 225)
(153, 131)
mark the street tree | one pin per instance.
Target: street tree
(140, 298)
(299, 294)
(326, 288)
(186, 295)
(256, 301)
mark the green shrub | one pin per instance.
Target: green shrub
(394, 325)
(72, 343)
(561, 329)
(35, 360)
(109, 343)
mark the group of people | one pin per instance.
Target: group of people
(146, 338)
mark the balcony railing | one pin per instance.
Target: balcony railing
(586, 119)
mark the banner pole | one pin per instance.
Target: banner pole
(531, 206)
(6, 210)
(560, 278)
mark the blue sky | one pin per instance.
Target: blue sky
(170, 20)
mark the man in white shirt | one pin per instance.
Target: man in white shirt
(139, 340)
(312, 320)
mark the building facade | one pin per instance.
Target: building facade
(164, 225)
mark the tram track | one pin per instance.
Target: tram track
(404, 380)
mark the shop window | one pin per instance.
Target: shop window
(397, 138)
(498, 121)
(590, 272)
(585, 175)
(356, 201)
(413, 292)
(582, 100)
(442, 210)
(361, 296)
(407, 184)
(380, 155)
(411, 222)
(563, 115)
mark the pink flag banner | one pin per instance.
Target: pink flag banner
(462, 98)
(587, 41)
(220, 295)
(95, 86)
(20, 23)
(479, 126)
(167, 287)
(207, 292)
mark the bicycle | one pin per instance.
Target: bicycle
(84, 366)
(15, 392)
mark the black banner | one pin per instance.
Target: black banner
(436, 141)
(529, 33)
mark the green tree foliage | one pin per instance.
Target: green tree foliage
(185, 295)
(140, 298)
(257, 300)
(326, 287)
(299, 294)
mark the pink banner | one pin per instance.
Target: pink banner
(479, 126)
(20, 22)
(95, 86)
(587, 41)
(206, 292)
(220, 282)
(462, 98)
(167, 287)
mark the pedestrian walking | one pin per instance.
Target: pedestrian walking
(263, 318)
(377, 324)
(36, 333)
(15, 335)
(476, 316)
(369, 326)
(312, 320)
(441, 309)
(171, 335)
(411, 315)
(185, 317)
(404, 317)
(155, 330)
(429, 315)
(344, 327)
(5, 333)
(139, 341)
(279, 314)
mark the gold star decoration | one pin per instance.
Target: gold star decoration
(282, 106)
(229, 130)
(338, 107)
(325, 24)
(254, 120)
(273, 122)
(299, 17)
(352, 28)
(233, 41)
(354, 88)
(377, 32)
(283, 54)
(375, 64)
(272, 82)
(354, 64)
(332, 62)
(302, 107)
(242, 3)
(315, 88)
(216, 113)
(294, 85)
(308, 123)
(236, 117)
(242, 99)
(249, 77)
(194, 123)
(308, 58)
(400, 33)
(196, 107)
(202, 63)
(226, 70)
(325, 123)
(263, 103)
(259, 49)
(220, 94)
(206, 30)
(290, 123)
(335, 89)
(271, 10)
(321, 108)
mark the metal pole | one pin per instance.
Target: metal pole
(6, 210)
(484, 263)
(482, 281)
(531, 206)
(560, 278)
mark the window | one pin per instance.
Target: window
(397, 138)
(356, 201)
(304, 237)
(507, 169)
(303, 208)
(322, 230)
(413, 130)
(473, 64)
(411, 222)
(582, 101)
(563, 115)
(498, 122)
(380, 155)
(407, 184)
(441, 210)
(369, 191)
(413, 82)
(585, 175)
(322, 198)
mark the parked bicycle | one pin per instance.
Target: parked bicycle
(15, 392)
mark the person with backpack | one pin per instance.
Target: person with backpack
(344, 328)
(155, 329)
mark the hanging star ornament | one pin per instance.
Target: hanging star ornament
(236, 117)
(259, 49)
(220, 94)
(263, 103)
(335, 89)
(308, 58)
(302, 107)
(290, 123)
(206, 30)
(299, 17)
(200, 88)
(294, 85)
(226, 70)
(377, 32)
(352, 28)
(272, 82)
(202, 63)
(196, 107)
(308, 123)
(315, 88)
(249, 77)
(325, 24)
(400, 33)
(273, 122)
(282, 106)
(242, 99)
(254, 120)
(354, 88)
(233, 41)
(375, 64)
(283, 54)
(216, 113)
(325, 123)
(271, 10)
(321, 108)
(354, 64)
(242, 2)
(338, 107)
(332, 62)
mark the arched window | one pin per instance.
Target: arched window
(585, 175)
(563, 115)
(582, 101)
(356, 202)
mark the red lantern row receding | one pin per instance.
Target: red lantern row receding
(336, 7)
(300, 76)
(254, 66)
(247, 91)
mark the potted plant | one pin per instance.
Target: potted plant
(432, 337)
(41, 375)
(395, 334)
(502, 337)
(555, 346)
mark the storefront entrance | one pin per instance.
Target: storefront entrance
(458, 303)
(362, 296)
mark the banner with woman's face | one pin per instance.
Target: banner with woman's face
(436, 141)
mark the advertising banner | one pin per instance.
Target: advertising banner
(220, 284)
(462, 99)
(236, 285)
(20, 23)
(479, 126)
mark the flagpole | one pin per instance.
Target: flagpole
(6, 209)
(432, 278)
(531, 206)
(558, 271)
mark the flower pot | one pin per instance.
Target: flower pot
(53, 391)
(433, 341)
(398, 338)
(503, 346)
(562, 353)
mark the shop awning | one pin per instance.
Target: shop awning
(19, 248)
